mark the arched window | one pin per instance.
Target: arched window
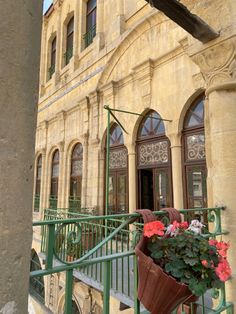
(54, 180)
(36, 287)
(69, 40)
(153, 164)
(118, 172)
(38, 183)
(51, 70)
(91, 18)
(195, 171)
(76, 177)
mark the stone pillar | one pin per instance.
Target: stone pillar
(20, 26)
(218, 66)
(84, 171)
(132, 178)
(177, 180)
(43, 175)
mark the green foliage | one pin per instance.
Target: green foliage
(181, 257)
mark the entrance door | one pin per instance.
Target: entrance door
(146, 200)
(154, 189)
(118, 202)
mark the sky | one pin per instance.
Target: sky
(46, 4)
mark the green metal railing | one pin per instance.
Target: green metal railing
(88, 37)
(74, 204)
(51, 70)
(68, 55)
(53, 201)
(36, 202)
(101, 248)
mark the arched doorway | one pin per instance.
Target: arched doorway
(38, 183)
(76, 178)
(153, 164)
(54, 180)
(195, 170)
(118, 172)
(36, 286)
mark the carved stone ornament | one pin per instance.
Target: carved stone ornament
(218, 63)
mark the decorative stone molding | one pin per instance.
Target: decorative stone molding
(218, 63)
(143, 74)
(109, 92)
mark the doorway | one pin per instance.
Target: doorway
(154, 188)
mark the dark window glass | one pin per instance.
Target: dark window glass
(36, 287)
(116, 136)
(55, 173)
(91, 20)
(152, 125)
(69, 40)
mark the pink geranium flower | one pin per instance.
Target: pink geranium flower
(223, 270)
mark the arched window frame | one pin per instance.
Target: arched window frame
(91, 21)
(193, 156)
(51, 69)
(147, 158)
(118, 172)
(69, 40)
(54, 179)
(38, 183)
(76, 177)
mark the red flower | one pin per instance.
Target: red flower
(183, 225)
(213, 242)
(223, 270)
(153, 228)
(222, 248)
(205, 263)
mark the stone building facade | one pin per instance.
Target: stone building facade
(130, 56)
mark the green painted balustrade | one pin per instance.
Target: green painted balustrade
(99, 250)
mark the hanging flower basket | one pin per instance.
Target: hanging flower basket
(176, 264)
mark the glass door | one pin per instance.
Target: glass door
(196, 186)
(162, 195)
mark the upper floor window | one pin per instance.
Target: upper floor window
(51, 70)
(69, 40)
(54, 179)
(91, 19)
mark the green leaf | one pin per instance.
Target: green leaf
(191, 261)
(157, 255)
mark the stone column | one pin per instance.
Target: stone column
(43, 175)
(20, 26)
(177, 181)
(132, 178)
(84, 171)
(61, 179)
(218, 66)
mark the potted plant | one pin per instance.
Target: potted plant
(183, 261)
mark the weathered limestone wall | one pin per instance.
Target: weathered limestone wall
(20, 26)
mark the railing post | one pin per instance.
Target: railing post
(69, 290)
(136, 300)
(106, 287)
(50, 245)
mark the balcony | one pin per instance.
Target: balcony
(99, 250)
(88, 37)
(51, 71)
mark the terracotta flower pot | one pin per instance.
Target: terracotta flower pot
(157, 291)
